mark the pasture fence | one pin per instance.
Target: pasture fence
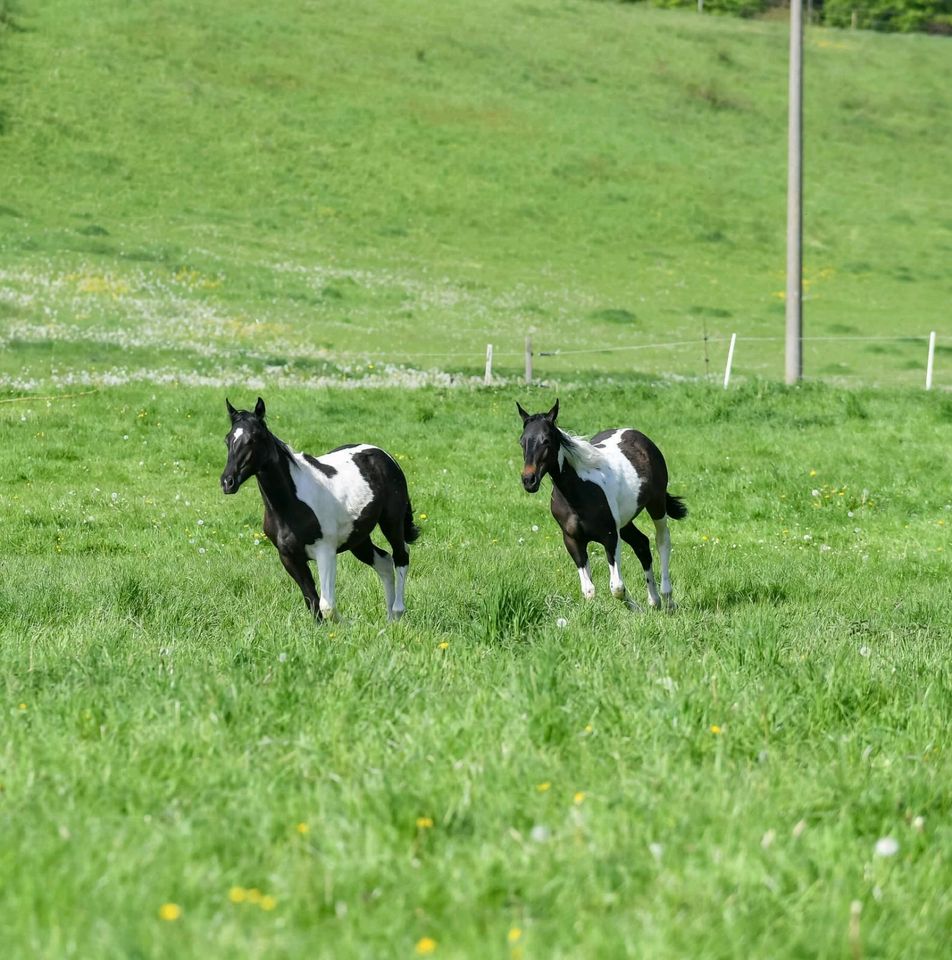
(733, 340)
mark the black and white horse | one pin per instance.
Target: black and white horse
(317, 507)
(598, 488)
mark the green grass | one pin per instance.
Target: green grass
(407, 182)
(171, 714)
(309, 200)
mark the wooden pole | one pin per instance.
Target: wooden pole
(528, 359)
(730, 361)
(930, 362)
(794, 338)
(488, 377)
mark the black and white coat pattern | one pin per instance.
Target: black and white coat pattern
(598, 488)
(317, 507)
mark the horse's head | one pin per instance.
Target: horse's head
(540, 441)
(248, 446)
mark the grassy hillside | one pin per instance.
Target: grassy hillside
(190, 768)
(304, 187)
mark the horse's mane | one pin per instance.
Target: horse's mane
(580, 453)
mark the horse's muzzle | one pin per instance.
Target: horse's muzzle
(531, 481)
(229, 483)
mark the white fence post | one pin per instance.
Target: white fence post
(930, 362)
(488, 378)
(528, 359)
(730, 361)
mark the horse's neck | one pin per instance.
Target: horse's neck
(274, 478)
(566, 479)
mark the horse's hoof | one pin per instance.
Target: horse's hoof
(669, 605)
(589, 594)
(655, 603)
(619, 592)
(395, 615)
(633, 605)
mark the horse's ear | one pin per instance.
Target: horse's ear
(232, 412)
(554, 412)
(522, 413)
(259, 409)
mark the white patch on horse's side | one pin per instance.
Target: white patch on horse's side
(336, 500)
(608, 467)
(585, 577)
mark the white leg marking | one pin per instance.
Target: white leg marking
(653, 599)
(383, 564)
(663, 540)
(617, 584)
(585, 576)
(327, 571)
(398, 608)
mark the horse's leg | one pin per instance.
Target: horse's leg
(613, 552)
(642, 547)
(663, 543)
(393, 531)
(612, 546)
(368, 552)
(578, 551)
(326, 557)
(296, 566)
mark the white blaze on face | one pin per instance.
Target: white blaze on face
(237, 435)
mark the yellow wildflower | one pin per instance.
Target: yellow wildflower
(715, 729)
(425, 946)
(443, 645)
(237, 894)
(514, 935)
(542, 787)
(268, 902)
(253, 895)
(302, 828)
(579, 798)
(424, 823)
(423, 516)
(170, 911)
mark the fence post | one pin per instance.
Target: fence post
(528, 359)
(730, 361)
(488, 377)
(930, 361)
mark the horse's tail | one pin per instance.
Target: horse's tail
(410, 530)
(675, 507)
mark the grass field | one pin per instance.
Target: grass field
(708, 784)
(330, 203)
(316, 186)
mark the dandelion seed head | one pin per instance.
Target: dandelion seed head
(539, 833)
(886, 847)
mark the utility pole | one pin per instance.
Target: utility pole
(794, 353)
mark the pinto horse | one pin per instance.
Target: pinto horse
(598, 488)
(317, 507)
